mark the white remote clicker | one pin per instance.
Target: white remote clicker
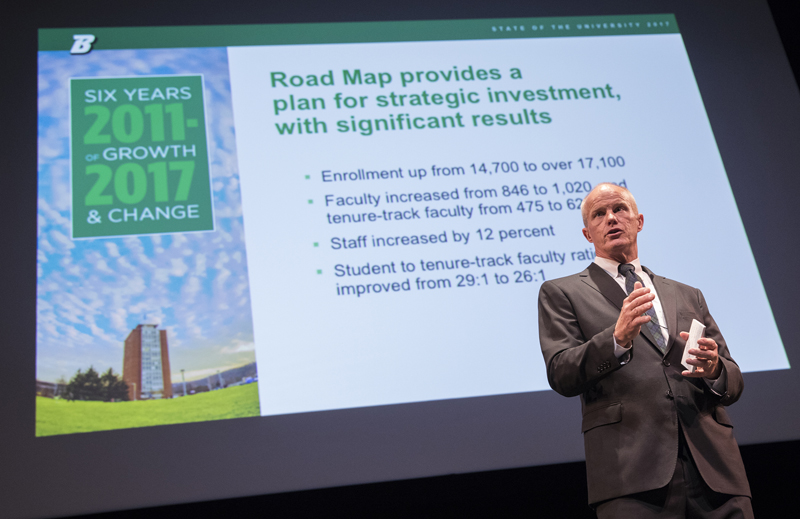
(697, 331)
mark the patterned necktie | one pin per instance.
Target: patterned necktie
(627, 270)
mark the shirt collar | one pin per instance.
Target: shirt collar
(612, 267)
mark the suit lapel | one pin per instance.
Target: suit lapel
(598, 279)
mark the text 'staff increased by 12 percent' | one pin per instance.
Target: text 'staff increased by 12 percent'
(139, 156)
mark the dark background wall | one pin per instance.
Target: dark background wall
(554, 491)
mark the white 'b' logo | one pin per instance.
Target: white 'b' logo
(83, 43)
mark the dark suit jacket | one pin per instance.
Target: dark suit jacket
(631, 411)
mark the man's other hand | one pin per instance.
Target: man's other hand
(706, 363)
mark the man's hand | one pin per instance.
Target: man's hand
(631, 316)
(707, 363)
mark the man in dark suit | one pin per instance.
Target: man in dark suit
(658, 440)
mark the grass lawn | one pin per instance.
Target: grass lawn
(63, 417)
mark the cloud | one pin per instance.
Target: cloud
(197, 374)
(173, 337)
(222, 259)
(124, 263)
(102, 266)
(229, 211)
(200, 264)
(190, 289)
(137, 250)
(156, 317)
(222, 276)
(62, 240)
(118, 318)
(178, 241)
(191, 327)
(240, 289)
(113, 249)
(62, 194)
(239, 347)
(52, 216)
(179, 268)
(161, 275)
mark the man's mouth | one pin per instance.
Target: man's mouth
(613, 233)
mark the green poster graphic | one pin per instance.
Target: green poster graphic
(139, 156)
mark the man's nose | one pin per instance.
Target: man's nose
(611, 216)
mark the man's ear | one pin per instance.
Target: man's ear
(641, 222)
(589, 237)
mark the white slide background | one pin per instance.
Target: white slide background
(317, 350)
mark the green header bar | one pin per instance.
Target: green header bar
(357, 32)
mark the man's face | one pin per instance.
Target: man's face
(612, 224)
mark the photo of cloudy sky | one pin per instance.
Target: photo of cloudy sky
(93, 292)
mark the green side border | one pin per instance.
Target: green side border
(358, 32)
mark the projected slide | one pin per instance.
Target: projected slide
(356, 215)
(143, 311)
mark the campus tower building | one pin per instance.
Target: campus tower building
(145, 367)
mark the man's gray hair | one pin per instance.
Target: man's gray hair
(585, 206)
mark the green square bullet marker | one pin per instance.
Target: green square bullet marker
(308, 177)
(316, 244)
(319, 272)
(310, 201)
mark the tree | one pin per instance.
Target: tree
(91, 386)
(112, 387)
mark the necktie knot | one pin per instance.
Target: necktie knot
(626, 269)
